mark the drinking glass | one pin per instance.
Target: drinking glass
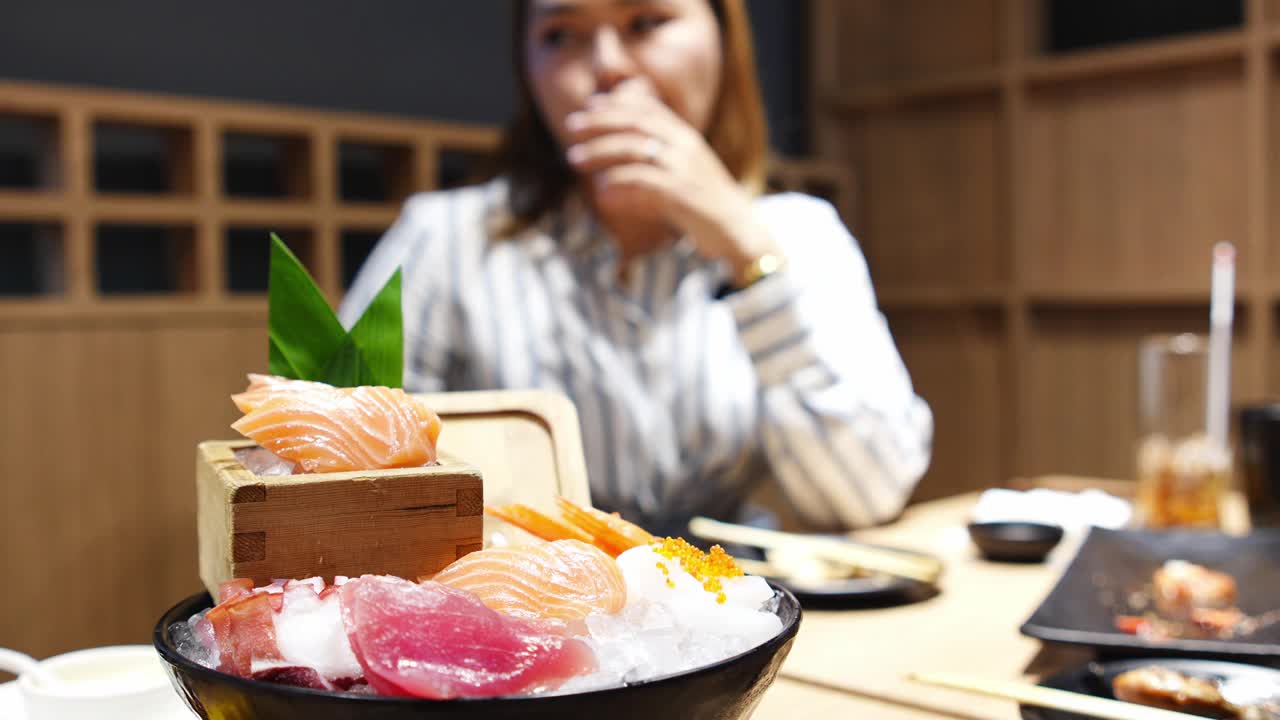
(1182, 473)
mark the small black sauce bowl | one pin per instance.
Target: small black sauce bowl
(727, 690)
(1025, 542)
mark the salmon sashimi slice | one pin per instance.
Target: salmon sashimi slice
(328, 429)
(536, 523)
(432, 641)
(563, 580)
(610, 532)
(264, 387)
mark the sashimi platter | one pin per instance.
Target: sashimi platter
(560, 611)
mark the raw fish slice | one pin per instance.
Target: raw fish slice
(562, 580)
(264, 387)
(244, 629)
(433, 641)
(339, 429)
(234, 588)
(289, 632)
(537, 524)
(609, 531)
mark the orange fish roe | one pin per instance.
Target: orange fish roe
(708, 568)
(666, 571)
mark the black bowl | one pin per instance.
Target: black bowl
(727, 690)
(1015, 541)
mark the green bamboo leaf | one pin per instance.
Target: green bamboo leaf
(379, 336)
(278, 363)
(346, 367)
(304, 332)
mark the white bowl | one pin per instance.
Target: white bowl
(124, 682)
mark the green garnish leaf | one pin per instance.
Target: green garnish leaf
(346, 366)
(278, 363)
(379, 333)
(307, 342)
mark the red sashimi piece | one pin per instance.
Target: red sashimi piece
(294, 676)
(234, 588)
(244, 629)
(437, 642)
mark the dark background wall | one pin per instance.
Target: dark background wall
(443, 59)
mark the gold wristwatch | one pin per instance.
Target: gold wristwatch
(759, 269)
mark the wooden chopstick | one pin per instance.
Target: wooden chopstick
(1049, 698)
(845, 552)
(758, 567)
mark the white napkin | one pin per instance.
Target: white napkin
(1071, 511)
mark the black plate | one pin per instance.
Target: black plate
(858, 592)
(871, 591)
(1095, 679)
(1112, 564)
(727, 690)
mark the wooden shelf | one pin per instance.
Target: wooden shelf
(143, 209)
(1156, 55)
(981, 81)
(45, 206)
(269, 212)
(32, 205)
(377, 216)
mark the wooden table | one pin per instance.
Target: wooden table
(970, 627)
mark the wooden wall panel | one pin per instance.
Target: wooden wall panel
(1272, 390)
(887, 41)
(1073, 197)
(1082, 365)
(1129, 181)
(96, 512)
(956, 363)
(1271, 190)
(928, 213)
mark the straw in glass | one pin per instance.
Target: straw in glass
(1221, 315)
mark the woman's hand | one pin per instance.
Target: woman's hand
(646, 160)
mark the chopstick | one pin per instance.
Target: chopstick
(757, 567)
(862, 557)
(1049, 698)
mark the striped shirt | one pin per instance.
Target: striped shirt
(686, 401)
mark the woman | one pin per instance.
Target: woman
(709, 337)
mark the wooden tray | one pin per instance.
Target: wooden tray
(526, 443)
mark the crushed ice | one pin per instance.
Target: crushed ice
(194, 640)
(264, 463)
(671, 628)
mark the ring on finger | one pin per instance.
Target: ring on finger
(652, 147)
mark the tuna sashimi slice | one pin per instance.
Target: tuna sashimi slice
(432, 641)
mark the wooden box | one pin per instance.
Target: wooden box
(498, 447)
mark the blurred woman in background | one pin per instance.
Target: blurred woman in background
(711, 337)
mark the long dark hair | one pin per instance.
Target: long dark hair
(532, 161)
